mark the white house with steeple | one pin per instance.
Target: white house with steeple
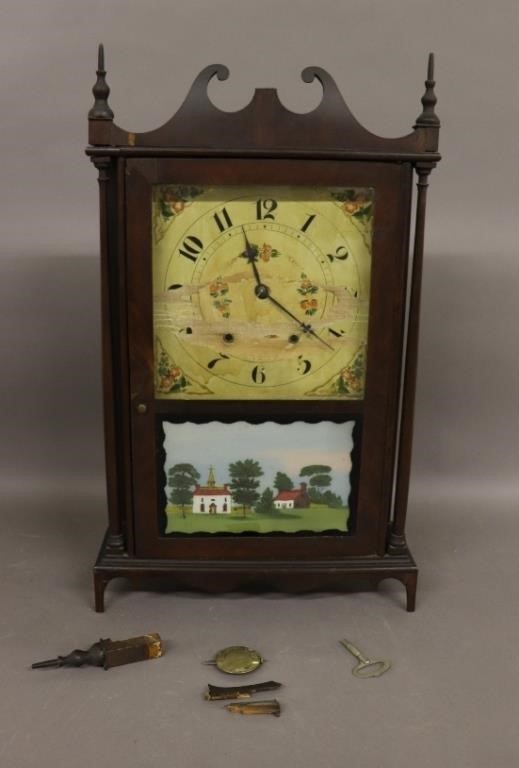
(212, 499)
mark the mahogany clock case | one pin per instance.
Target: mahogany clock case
(266, 145)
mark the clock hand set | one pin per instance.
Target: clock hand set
(262, 291)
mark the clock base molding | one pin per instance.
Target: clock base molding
(215, 576)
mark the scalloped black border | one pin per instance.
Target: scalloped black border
(160, 454)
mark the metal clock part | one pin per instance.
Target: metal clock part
(237, 660)
(217, 692)
(268, 707)
(109, 653)
(366, 667)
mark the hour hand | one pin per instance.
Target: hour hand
(251, 251)
(251, 254)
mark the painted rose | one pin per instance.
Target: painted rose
(309, 306)
(350, 381)
(352, 206)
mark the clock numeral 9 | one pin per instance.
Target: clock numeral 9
(265, 208)
(341, 254)
(191, 248)
(258, 375)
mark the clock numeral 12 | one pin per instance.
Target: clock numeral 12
(265, 208)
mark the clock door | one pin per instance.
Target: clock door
(265, 318)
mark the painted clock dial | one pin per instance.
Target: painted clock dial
(261, 292)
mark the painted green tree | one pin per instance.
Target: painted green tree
(244, 483)
(333, 500)
(265, 505)
(282, 482)
(181, 479)
(318, 478)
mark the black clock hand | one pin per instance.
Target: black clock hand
(251, 256)
(263, 292)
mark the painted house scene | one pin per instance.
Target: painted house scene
(211, 498)
(264, 478)
(294, 499)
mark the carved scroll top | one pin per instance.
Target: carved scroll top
(265, 123)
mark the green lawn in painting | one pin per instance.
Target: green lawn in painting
(317, 517)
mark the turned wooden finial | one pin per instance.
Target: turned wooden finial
(101, 91)
(429, 116)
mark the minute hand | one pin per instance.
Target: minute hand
(304, 326)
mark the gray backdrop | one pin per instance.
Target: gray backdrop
(446, 702)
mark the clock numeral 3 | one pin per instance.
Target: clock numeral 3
(265, 208)
(191, 248)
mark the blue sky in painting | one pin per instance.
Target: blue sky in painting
(278, 448)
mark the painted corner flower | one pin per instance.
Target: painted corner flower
(170, 378)
(357, 203)
(172, 200)
(351, 379)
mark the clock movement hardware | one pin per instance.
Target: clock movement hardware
(236, 660)
(268, 707)
(109, 653)
(218, 693)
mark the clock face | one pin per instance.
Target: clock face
(261, 292)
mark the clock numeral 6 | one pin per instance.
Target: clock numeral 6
(258, 375)
(265, 208)
(341, 254)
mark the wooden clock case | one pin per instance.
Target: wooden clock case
(262, 143)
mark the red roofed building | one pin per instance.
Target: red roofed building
(296, 498)
(212, 499)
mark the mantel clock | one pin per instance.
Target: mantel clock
(260, 322)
